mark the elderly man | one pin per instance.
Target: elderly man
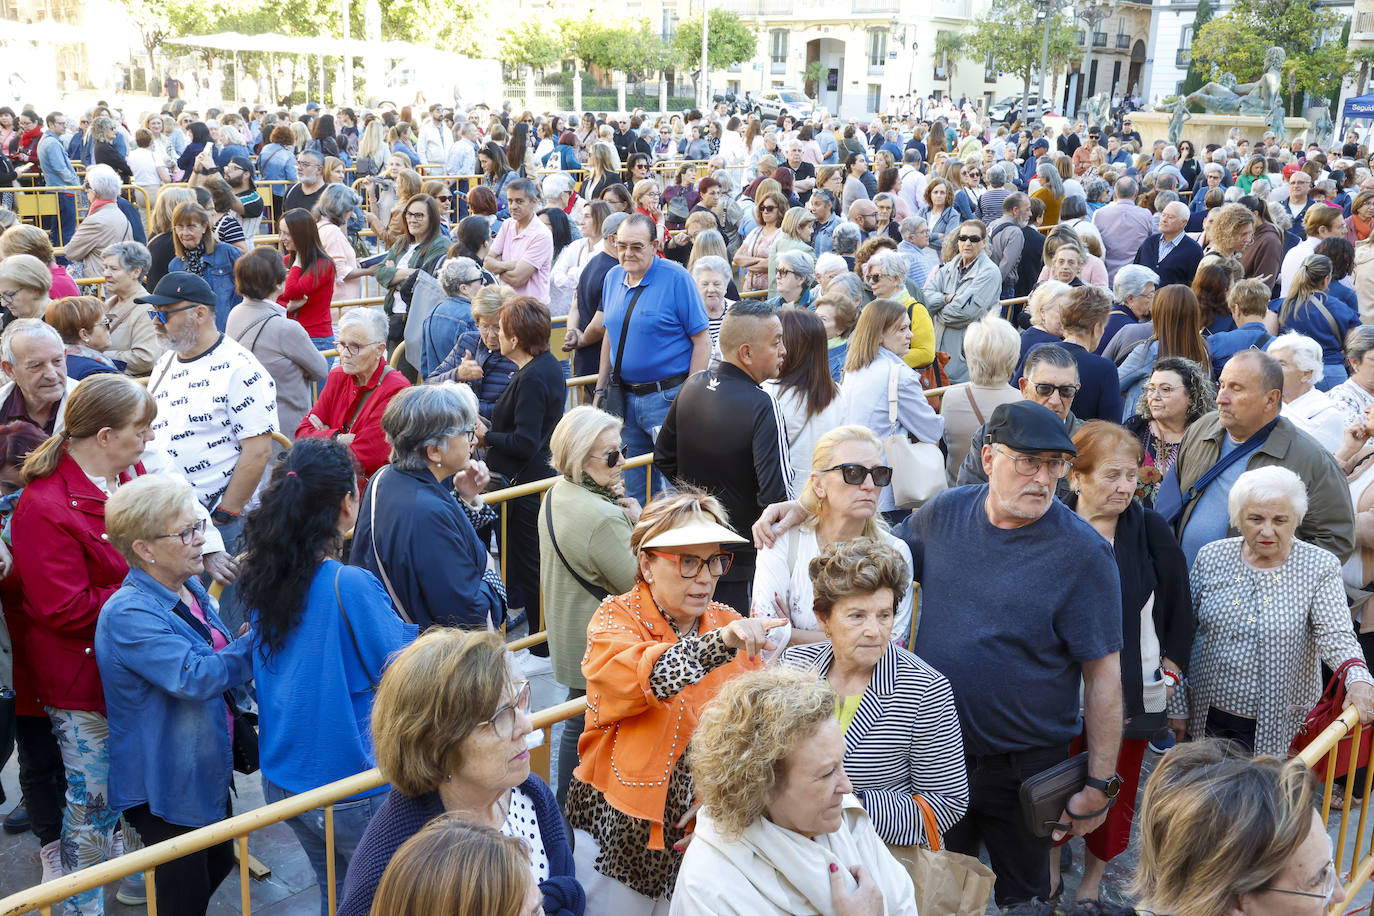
(1123, 225)
(830, 147)
(1210, 177)
(651, 356)
(922, 260)
(216, 408)
(1168, 165)
(559, 192)
(1129, 324)
(35, 366)
(864, 214)
(462, 153)
(744, 461)
(1049, 378)
(1006, 241)
(914, 181)
(1299, 200)
(1243, 433)
(103, 226)
(521, 255)
(803, 172)
(310, 171)
(822, 206)
(1066, 626)
(1171, 253)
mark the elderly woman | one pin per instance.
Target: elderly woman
(964, 289)
(839, 313)
(1308, 408)
(332, 213)
(80, 320)
(1083, 317)
(886, 273)
(460, 279)
(1177, 392)
(476, 358)
(198, 252)
(1050, 192)
(451, 729)
(517, 438)
(321, 623)
(1255, 685)
(133, 339)
(712, 276)
(902, 735)
(418, 520)
(1156, 614)
(1221, 833)
(798, 226)
(1356, 394)
(795, 275)
(1129, 324)
(655, 656)
(166, 660)
(991, 348)
(779, 831)
(584, 549)
(104, 224)
(347, 409)
(881, 336)
(282, 346)
(24, 283)
(839, 503)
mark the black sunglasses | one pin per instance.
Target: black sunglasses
(615, 456)
(854, 474)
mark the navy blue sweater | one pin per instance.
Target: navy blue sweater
(402, 816)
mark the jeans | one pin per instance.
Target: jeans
(229, 610)
(323, 344)
(1332, 376)
(62, 226)
(350, 820)
(42, 777)
(644, 416)
(88, 823)
(570, 732)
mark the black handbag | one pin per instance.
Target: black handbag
(1045, 795)
(245, 737)
(613, 400)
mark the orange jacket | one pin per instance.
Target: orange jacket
(632, 739)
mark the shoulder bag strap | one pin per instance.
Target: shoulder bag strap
(152, 389)
(257, 324)
(968, 393)
(363, 400)
(624, 329)
(381, 568)
(892, 395)
(599, 594)
(351, 635)
(1216, 470)
(1326, 313)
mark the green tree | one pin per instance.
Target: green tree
(1236, 42)
(729, 42)
(635, 49)
(1196, 76)
(530, 46)
(150, 17)
(1009, 32)
(949, 47)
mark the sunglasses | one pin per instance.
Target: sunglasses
(970, 238)
(1045, 389)
(854, 474)
(160, 315)
(615, 456)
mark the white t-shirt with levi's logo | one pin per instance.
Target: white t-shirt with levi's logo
(205, 406)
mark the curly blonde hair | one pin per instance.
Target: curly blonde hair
(747, 735)
(857, 567)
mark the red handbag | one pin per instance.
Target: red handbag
(1328, 710)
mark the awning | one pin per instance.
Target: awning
(1359, 107)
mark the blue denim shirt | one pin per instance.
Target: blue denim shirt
(277, 163)
(52, 160)
(164, 696)
(450, 320)
(219, 273)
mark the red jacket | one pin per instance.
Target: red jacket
(338, 404)
(316, 287)
(69, 570)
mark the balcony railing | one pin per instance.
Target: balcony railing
(1123, 41)
(1099, 39)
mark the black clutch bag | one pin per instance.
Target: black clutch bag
(1044, 795)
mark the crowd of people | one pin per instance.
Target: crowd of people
(894, 377)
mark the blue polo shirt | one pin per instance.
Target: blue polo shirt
(668, 314)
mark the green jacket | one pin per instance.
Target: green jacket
(429, 257)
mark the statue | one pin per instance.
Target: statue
(1099, 109)
(1259, 97)
(1180, 114)
(1276, 123)
(1322, 128)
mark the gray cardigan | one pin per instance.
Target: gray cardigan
(283, 347)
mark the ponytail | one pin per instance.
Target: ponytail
(104, 401)
(1313, 273)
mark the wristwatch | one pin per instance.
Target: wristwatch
(1108, 787)
(222, 516)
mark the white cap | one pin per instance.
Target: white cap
(696, 531)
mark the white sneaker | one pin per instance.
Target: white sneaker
(51, 857)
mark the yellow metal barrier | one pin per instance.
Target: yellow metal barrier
(1355, 869)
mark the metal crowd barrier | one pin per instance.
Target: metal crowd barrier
(1354, 869)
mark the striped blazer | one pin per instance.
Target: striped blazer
(904, 740)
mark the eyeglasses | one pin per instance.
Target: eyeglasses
(1329, 886)
(503, 723)
(7, 296)
(470, 432)
(1045, 389)
(187, 534)
(633, 248)
(353, 349)
(108, 322)
(1162, 390)
(160, 315)
(689, 564)
(417, 214)
(1029, 467)
(970, 238)
(854, 474)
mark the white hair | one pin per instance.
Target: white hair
(29, 329)
(1179, 205)
(103, 181)
(1170, 154)
(1264, 485)
(1132, 279)
(713, 264)
(556, 184)
(829, 263)
(1306, 352)
(372, 321)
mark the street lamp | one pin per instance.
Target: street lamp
(1092, 12)
(1047, 9)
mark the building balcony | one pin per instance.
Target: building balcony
(1099, 39)
(1123, 41)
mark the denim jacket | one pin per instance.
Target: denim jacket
(53, 162)
(164, 696)
(219, 273)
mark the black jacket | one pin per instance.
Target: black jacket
(723, 434)
(1032, 259)
(523, 420)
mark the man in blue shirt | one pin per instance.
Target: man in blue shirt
(667, 338)
(830, 148)
(823, 206)
(57, 172)
(1038, 148)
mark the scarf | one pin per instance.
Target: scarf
(1362, 227)
(592, 486)
(194, 259)
(572, 202)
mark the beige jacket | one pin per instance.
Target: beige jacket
(94, 234)
(133, 338)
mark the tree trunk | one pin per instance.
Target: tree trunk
(152, 84)
(1025, 94)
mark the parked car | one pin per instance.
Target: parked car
(1009, 109)
(771, 103)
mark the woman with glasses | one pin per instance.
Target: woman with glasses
(796, 277)
(85, 332)
(166, 660)
(451, 728)
(752, 256)
(839, 499)
(655, 656)
(584, 550)
(323, 632)
(648, 201)
(356, 392)
(1177, 321)
(24, 285)
(420, 249)
(1177, 392)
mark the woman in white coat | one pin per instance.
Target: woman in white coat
(779, 831)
